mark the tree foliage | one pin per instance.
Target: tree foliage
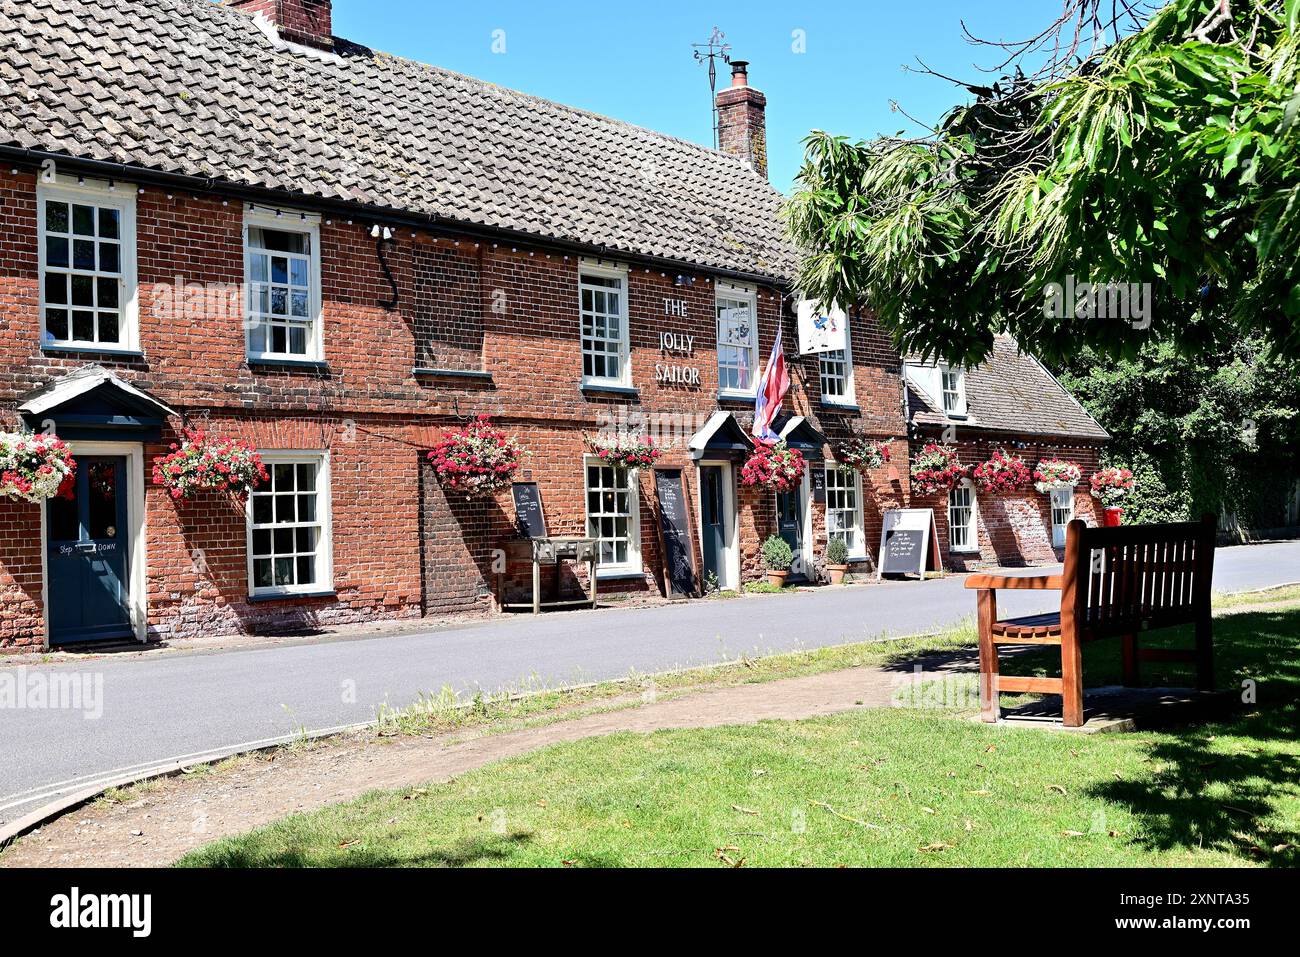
(1169, 158)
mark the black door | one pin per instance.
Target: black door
(88, 558)
(789, 525)
(713, 519)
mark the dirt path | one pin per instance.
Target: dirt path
(176, 815)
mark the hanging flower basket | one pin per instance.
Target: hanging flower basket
(624, 452)
(477, 461)
(1004, 472)
(860, 454)
(778, 466)
(1112, 485)
(936, 470)
(208, 462)
(1051, 475)
(33, 467)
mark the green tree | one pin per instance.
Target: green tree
(1169, 159)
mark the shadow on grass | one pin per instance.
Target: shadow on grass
(1227, 784)
(467, 852)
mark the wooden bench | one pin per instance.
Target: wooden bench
(1116, 582)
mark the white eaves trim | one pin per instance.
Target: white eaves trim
(79, 383)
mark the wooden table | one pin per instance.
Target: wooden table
(554, 550)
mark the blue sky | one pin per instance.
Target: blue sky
(633, 60)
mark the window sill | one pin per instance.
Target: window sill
(616, 574)
(736, 397)
(842, 406)
(453, 373)
(93, 350)
(609, 388)
(274, 362)
(290, 595)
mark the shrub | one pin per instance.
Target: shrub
(837, 552)
(776, 554)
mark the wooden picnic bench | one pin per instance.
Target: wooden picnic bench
(1117, 582)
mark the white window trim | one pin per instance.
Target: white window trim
(633, 563)
(960, 411)
(605, 270)
(749, 294)
(66, 189)
(850, 397)
(973, 529)
(289, 221)
(859, 552)
(1051, 514)
(324, 509)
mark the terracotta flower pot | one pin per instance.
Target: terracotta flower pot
(836, 573)
(1112, 516)
(777, 579)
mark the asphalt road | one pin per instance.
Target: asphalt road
(181, 705)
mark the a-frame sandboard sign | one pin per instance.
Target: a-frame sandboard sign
(909, 543)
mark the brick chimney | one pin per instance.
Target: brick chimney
(298, 21)
(742, 119)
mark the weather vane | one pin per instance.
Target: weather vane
(712, 51)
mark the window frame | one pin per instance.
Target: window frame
(324, 583)
(748, 295)
(1052, 510)
(958, 411)
(288, 221)
(859, 551)
(100, 195)
(606, 271)
(850, 396)
(972, 523)
(633, 564)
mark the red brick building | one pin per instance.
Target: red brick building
(1009, 402)
(223, 216)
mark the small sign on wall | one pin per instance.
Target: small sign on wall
(821, 330)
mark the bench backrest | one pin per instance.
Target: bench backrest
(1132, 578)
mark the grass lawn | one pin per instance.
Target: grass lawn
(890, 787)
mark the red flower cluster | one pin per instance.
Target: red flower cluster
(33, 468)
(208, 462)
(478, 460)
(1004, 472)
(624, 453)
(1112, 485)
(936, 470)
(776, 465)
(861, 454)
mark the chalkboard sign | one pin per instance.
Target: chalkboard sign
(529, 518)
(903, 551)
(909, 543)
(818, 476)
(675, 534)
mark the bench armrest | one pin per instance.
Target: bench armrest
(1015, 581)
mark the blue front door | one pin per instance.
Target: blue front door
(88, 559)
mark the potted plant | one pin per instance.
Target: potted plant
(1003, 472)
(777, 558)
(778, 466)
(208, 462)
(478, 461)
(936, 470)
(1111, 486)
(625, 452)
(861, 454)
(1053, 474)
(33, 467)
(837, 560)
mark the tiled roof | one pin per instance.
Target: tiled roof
(195, 88)
(1011, 392)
